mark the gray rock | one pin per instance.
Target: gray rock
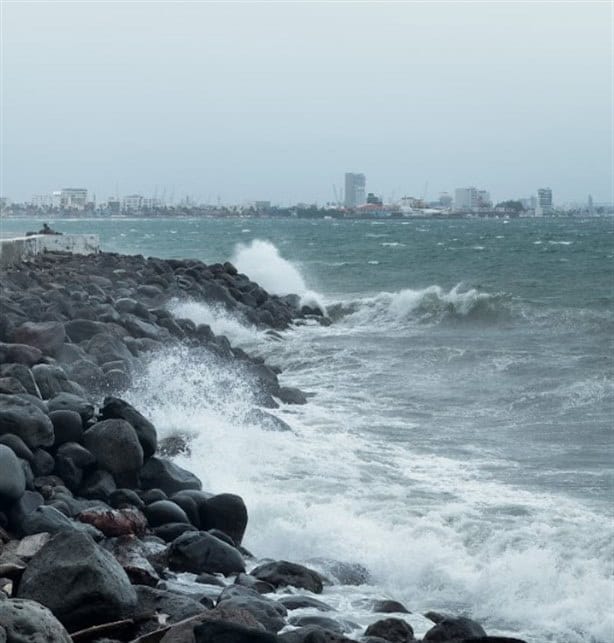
(228, 513)
(115, 445)
(23, 374)
(79, 330)
(267, 612)
(152, 601)
(159, 473)
(307, 620)
(283, 573)
(46, 336)
(56, 577)
(226, 632)
(387, 606)
(11, 386)
(98, 485)
(22, 508)
(163, 512)
(51, 380)
(69, 402)
(42, 463)
(297, 602)
(25, 621)
(199, 552)
(67, 426)
(115, 408)
(391, 629)
(18, 446)
(25, 419)
(455, 627)
(49, 519)
(20, 354)
(12, 478)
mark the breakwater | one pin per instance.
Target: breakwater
(100, 527)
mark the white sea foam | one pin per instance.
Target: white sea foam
(262, 261)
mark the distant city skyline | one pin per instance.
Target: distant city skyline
(275, 101)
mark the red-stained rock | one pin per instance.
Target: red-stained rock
(115, 522)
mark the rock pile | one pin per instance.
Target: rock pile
(103, 538)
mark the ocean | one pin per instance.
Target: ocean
(458, 441)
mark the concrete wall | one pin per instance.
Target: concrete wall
(23, 248)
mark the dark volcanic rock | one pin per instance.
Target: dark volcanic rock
(12, 478)
(267, 612)
(46, 336)
(98, 485)
(173, 530)
(313, 634)
(245, 580)
(23, 374)
(159, 473)
(51, 380)
(79, 330)
(49, 519)
(24, 621)
(20, 354)
(115, 408)
(323, 622)
(455, 627)
(67, 426)
(25, 419)
(296, 602)
(283, 573)
(199, 552)
(42, 462)
(125, 498)
(163, 512)
(115, 445)
(11, 386)
(152, 601)
(391, 629)
(70, 402)
(18, 446)
(228, 513)
(387, 606)
(80, 582)
(225, 632)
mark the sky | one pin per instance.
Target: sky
(241, 101)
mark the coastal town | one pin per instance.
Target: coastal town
(351, 202)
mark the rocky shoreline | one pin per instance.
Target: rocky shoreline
(103, 538)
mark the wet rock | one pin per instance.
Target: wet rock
(163, 512)
(25, 621)
(391, 629)
(79, 330)
(42, 463)
(266, 420)
(51, 380)
(291, 395)
(115, 408)
(116, 446)
(26, 420)
(455, 627)
(345, 573)
(267, 612)
(67, 426)
(18, 446)
(21, 508)
(115, 522)
(228, 513)
(313, 634)
(173, 530)
(107, 348)
(55, 578)
(12, 478)
(159, 473)
(70, 402)
(225, 632)
(283, 573)
(387, 606)
(11, 386)
(125, 498)
(131, 554)
(20, 354)
(29, 546)
(98, 485)
(49, 519)
(199, 552)
(23, 374)
(297, 602)
(48, 337)
(152, 601)
(322, 622)
(245, 580)
(87, 373)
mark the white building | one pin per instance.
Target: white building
(544, 202)
(466, 198)
(42, 200)
(69, 198)
(133, 203)
(355, 185)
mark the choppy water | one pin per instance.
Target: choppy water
(459, 443)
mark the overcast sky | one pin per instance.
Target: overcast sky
(277, 100)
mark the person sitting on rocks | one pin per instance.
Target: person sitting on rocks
(47, 230)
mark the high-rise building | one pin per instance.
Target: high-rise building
(70, 198)
(133, 202)
(466, 198)
(354, 190)
(544, 202)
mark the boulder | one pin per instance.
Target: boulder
(56, 577)
(79, 330)
(323, 622)
(98, 485)
(21, 508)
(386, 606)
(87, 373)
(291, 395)
(173, 530)
(115, 445)
(159, 473)
(245, 580)
(121, 498)
(67, 426)
(104, 347)
(23, 374)
(12, 478)
(18, 446)
(267, 612)
(163, 512)
(131, 554)
(199, 552)
(11, 386)
(26, 420)
(297, 602)
(283, 573)
(391, 629)
(49, 519)
(20, 354)
(25, 621)
(152, 601)
(115, 522)
(225, 632)
(42, 462)
(115, 408)
(46, 336)
(228, 513)
(313, 634)
(51, 380)
(69, 402)
(455, 627)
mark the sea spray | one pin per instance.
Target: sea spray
(263, 263)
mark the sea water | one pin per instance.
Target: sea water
(459, 441)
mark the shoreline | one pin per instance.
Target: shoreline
(88, 490)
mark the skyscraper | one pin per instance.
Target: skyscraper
(544, 202)
(354, 190)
